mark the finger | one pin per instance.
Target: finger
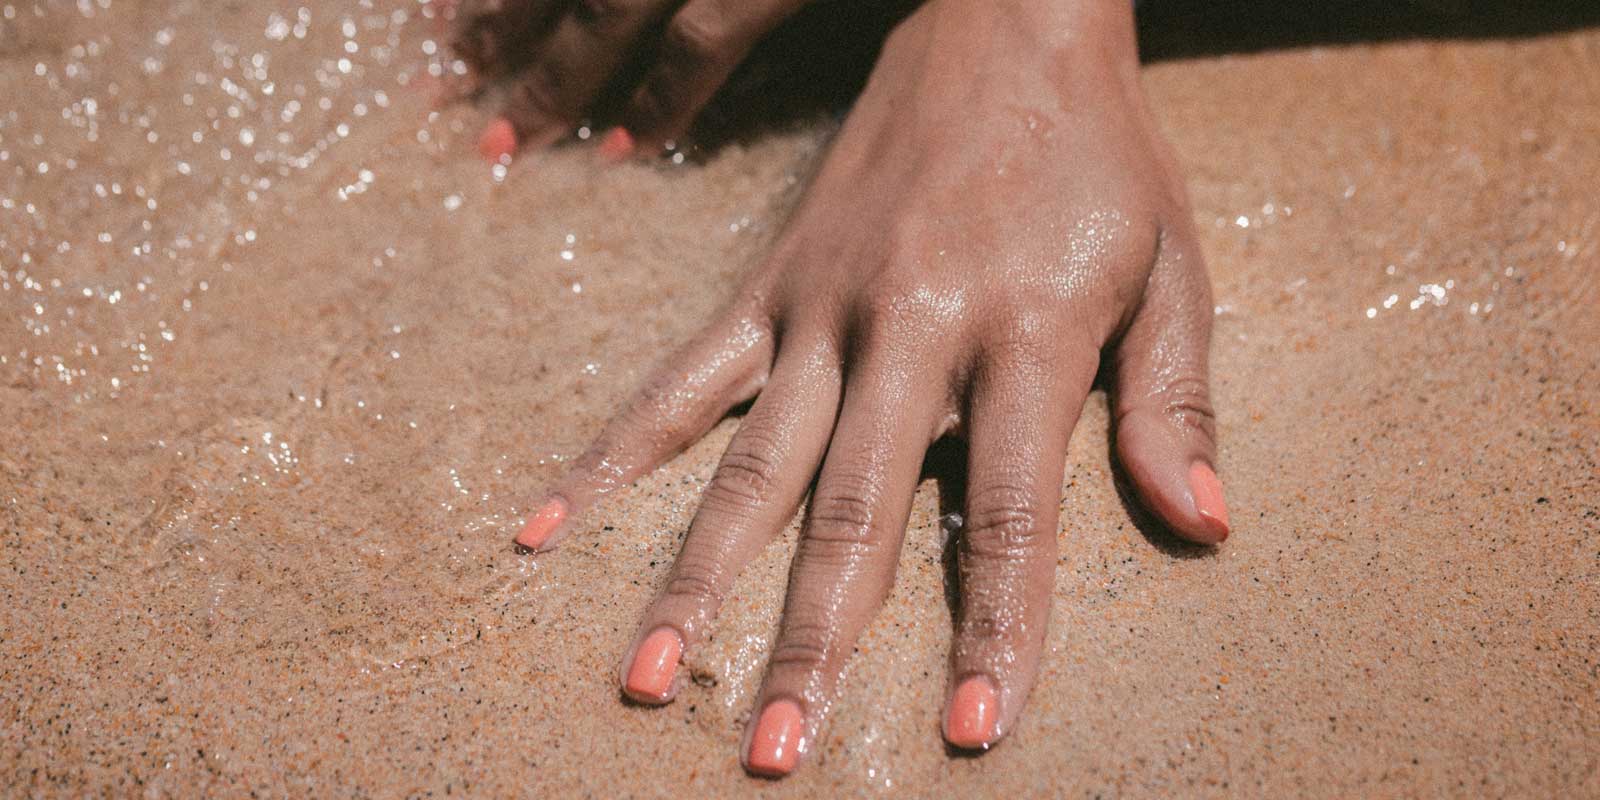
(494, 37)
(758, 485)
(580, 57)
(1164, 425)
(724, 366)
(845, 563)
(1022, 411)
(702, 44)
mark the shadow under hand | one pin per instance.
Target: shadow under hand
(1154, 530)
(946, 464)
(812, 65)
(1180, 29)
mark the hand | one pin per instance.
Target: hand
(566, 56)
(997, 212)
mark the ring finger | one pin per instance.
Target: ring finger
(1023, 409)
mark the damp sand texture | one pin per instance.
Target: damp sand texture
(281, 360)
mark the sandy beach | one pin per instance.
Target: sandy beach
(281, 360)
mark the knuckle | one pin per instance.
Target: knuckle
(1029, 325)
(659, 399)
(890, 296)
(695, 582)
(826, 551)
(897, 306)
(745, 475)
(803, 646)
(1181, 403)
(640, 426)
(844, 539)
(1188, 402)
(698, 37)
(1028, 339)
(906, 295)
(1003, 523)
(844, 517)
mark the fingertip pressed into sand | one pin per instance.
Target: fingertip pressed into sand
(1207, 489)
(655, 664)
(775, 744)
(969, 722)
(544, 522)
(499, 140)
(616, 145)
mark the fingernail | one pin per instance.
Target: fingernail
(655, 663)
(1208, 499)
(775, 745)
(499, 140)
(616, 145)
(970, 720)
(542, 524)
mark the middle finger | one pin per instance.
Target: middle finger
(845, 563)
(581, 56)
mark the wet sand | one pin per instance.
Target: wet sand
(275, 375)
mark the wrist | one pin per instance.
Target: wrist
(1065, 47)
(1081, 29)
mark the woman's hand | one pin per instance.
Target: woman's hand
(997, 213)
(562, 56)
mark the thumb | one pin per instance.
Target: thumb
(1165, 430)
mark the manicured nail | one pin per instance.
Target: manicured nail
(970, 720)
(616, 145)
(655, 663)
(1208, 499)
(775, 745)
(542, 524)
(499, 140)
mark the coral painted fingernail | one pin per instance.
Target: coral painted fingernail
(616, 145)
(775, 745)
(970, 720)
(499, 140)
(1208, 499)
(654, 665)
(542, 524)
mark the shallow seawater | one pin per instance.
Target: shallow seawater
(280, 359)
(169, 160)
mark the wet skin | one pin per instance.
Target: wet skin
(997, 215)
(559, 56)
